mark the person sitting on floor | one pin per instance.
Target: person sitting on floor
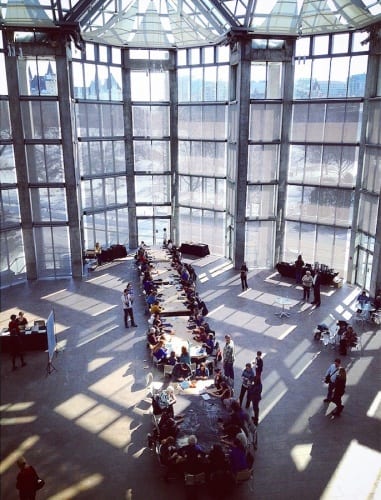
(193, 456)
(200, 334)
(155, 308)
(167, 426)
(202, 372)
(160, 352)
(181, 372)
(169, 456)
(172, 360)
(219, 378)
(209, 344)
(224, 393)
(152, 337)
(238, 460)
(184, 356)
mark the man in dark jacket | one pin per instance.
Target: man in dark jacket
(254, 395)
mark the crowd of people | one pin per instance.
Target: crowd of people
(237, 430)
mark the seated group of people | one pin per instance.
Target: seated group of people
(224, 459)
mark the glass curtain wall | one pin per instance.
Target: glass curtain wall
(151, 130)
(12, 257)
(203, 82)
(126, 128)
(97, 88)
(329, 86)
(265, 123)
(369, 212)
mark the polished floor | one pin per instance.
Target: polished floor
(83, 426)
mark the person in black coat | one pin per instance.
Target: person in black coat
(243, 275)
(338, 391)
(316, 285)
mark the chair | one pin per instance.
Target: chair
(152, 387)
(193, 367)
(361, 317)
(168, 369)
(243, 476)
(358, 346)
(194, 479)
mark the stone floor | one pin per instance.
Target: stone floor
(83, 426)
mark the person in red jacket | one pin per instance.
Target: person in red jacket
(15, 342)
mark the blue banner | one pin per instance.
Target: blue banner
(51, 336)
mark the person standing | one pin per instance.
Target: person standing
(22, 322)
(228, 357)
(330, 378)
(243, 275)
(338, 391)
(98, 253)
(258, 362)
(27, 482)
(316, 286)
(307, 285)
(127, 301)
(299, 264)
(254, 395)
(247, 374)
(15, 342)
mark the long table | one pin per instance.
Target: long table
(168, 282)
(289, 270)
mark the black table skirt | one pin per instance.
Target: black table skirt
(288, 270)
(197, 249)
(37, 341)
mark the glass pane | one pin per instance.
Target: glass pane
(183, 79)
(10, 208)
(258, 80)
(223, 83)
(3, 81)
(357, 76)
(196, 84)
(339, 77)
(265, 122)
(45, 163)
(7, 165)
(140, 86)
(320, 78)
(151, 156)
(210, 83)
(274, 81)
(302, 79)
(259, 255)
(302, 47)
(340, 43)
(320, 45)
(263, 155)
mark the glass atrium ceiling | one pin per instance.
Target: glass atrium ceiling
(187, 23)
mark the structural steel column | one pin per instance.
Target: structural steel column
(68, 133)
(243, 99)
(21, 166)
(288, 86)
(174, 148)
(129, 150)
